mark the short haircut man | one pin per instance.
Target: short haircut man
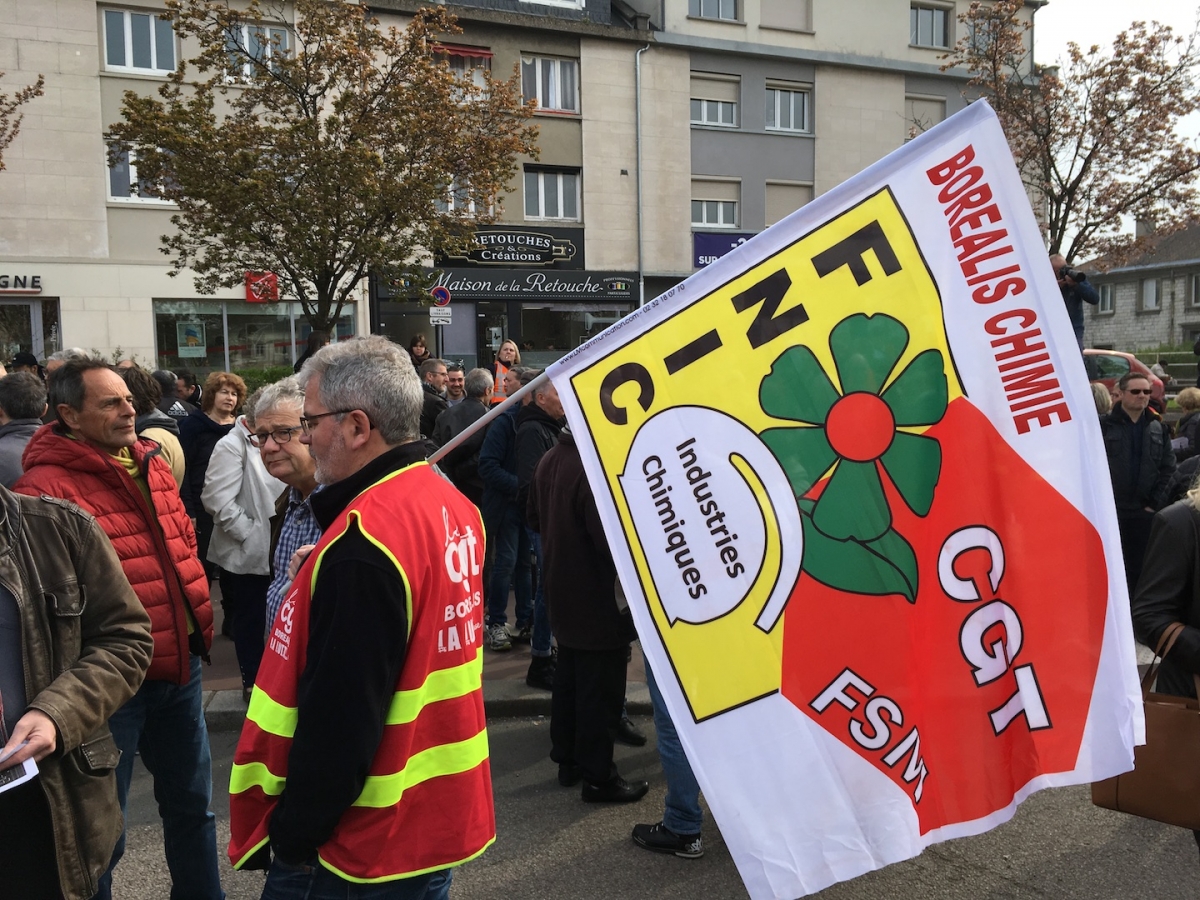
(94, 457)
(22, 405)
(455, 387)
(1140, 464)
(461, 464)
(384, 607)
(433, 383)
(169, 401)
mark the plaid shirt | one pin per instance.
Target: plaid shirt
(299, 528)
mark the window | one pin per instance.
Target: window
(566, 4)
(714, 100)
(1149, 294)
(929, 26)
(1106, 300)
(787, 15)
(787, 108)
(1194, 290)
(921, 114)
(715, 204)
(784, 198)
(249, 46)
(467, 63)
(552, 194)
(138, 42)
(124, 183)
(552, 83)
(714, 9)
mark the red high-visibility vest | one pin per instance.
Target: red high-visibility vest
(427, 801)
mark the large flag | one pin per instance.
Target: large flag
(854, 483)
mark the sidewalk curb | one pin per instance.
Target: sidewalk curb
(502, 698)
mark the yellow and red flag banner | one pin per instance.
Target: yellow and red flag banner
(853, 479)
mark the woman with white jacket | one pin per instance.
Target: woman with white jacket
(240, 495)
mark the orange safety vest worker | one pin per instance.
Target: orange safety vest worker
(499, 371)
(427, 801)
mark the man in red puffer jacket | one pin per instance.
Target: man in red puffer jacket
(93, 457)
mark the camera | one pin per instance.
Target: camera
(1073, 274)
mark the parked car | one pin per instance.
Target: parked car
(1107, 367)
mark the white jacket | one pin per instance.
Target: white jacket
(240, 495)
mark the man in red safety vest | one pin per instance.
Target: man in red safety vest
(364, 758)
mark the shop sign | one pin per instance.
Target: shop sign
(708, 247)
(262, 287)
(20, 284)
(518, 284)
(508, 246)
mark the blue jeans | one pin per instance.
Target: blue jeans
(510, 566)
(540, 639)
(681, 813)
(165, 722)
(318, 883)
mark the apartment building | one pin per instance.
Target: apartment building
(670, 131)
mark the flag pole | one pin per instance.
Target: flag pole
(485, 420)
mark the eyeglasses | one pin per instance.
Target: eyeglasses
(280, 435)
(1137, 390)
(306, 422)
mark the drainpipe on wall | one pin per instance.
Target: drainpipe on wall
(637, 104)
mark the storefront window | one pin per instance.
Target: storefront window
(549, 331)
(214, 336)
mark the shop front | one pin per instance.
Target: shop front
(524, 284)
(29, 321)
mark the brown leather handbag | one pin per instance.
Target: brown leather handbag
(1165, 782)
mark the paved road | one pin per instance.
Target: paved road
(551, 845)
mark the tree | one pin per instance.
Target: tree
(1095, 140)
(318, 146)
(10, 122)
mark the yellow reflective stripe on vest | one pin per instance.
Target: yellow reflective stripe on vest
(381, 791)
(272, 717)
(441, 684)
(247, 775)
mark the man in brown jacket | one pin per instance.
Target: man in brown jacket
(74, 646)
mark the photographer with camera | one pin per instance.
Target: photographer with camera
(1075, 292)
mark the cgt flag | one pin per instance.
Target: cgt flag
(854, 483)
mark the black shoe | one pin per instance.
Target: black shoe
(618, 790)
(568, 774)
(661, 839)
(541, 673)
(627, 733)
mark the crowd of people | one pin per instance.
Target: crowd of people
(137, 497)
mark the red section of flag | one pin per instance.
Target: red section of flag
(997, 680)
(262, 287)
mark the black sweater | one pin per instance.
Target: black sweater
(357, 639)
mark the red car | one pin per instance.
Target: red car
(1107, 367)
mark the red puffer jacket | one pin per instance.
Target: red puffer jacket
(160, 563)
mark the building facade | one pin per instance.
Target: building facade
(670, 132)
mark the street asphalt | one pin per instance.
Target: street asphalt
(551, 845)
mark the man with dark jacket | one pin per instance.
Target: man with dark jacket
(538, 425)
(593, 632)
(74, 646)
(1140, 463)
(22, 405)
(461, 464)
(169, 403)
(433, 383)
(508, 537)
(93, 457)
(1076, 291)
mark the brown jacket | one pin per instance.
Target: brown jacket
(86, 646)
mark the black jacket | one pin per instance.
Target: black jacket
(1187, 429)
(1166, 593)
(537, 432)
(579, 575)
(433, 406)
(461, 464)
(1150, 484)
(198, 435)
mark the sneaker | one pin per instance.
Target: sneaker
(660, 839)
(497, 638)
(520, 634)
(628, 733)
(541, 673)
